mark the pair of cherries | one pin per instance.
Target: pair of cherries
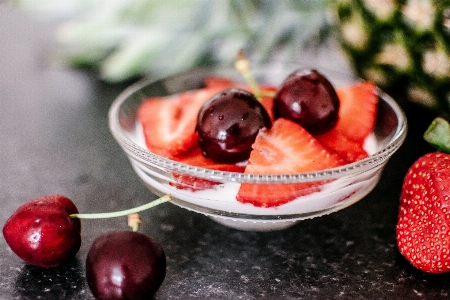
(228, 123)
(46, 231)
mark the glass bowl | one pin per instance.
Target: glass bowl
(341, 186)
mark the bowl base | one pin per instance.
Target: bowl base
(249, 225)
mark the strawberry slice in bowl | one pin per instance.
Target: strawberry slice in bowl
(358, 110)
(287, 148)
(356, 121)
(241, 199)
(194, 157)
(169, 122)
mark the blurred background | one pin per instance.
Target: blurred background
(62, 63)
(402, 45)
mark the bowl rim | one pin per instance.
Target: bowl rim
(149, 159)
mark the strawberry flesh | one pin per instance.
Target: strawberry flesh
(356, 121)
(358, 111)
(194, 157)
(169, 122)
(287, 148)
(346, 148)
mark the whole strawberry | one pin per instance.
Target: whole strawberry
(423, 227)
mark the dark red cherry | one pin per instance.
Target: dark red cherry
(309, 99)
(42, 233)
(125, 265)
(228, 123)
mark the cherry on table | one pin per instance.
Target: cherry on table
(45, 231)
(42, 233)
(125, 265)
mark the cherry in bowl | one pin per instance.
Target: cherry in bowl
(228, 123)
(308, 98)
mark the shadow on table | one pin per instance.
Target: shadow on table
(64, 282)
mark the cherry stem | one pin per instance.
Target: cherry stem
(154, 203)
(243, 66)
(134, 221)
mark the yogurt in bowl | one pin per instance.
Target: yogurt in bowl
(339, 187)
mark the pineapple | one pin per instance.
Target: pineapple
(402, 45)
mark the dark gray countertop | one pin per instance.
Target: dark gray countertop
(54, 138)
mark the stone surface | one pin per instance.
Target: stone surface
(54, 138)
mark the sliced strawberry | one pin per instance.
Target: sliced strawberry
(194, 157)
(357, 116)
(167, 128)
(169, 122)
(348, 149)
(193, 100)
(287, 148)
(357, 111)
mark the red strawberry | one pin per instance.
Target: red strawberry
(423, 228)
(287, 148)
(358, 111)
(169, 122)
(357, 116)
(194, 157)
(346, 148)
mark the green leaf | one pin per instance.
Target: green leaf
(438, 135)
(128, 38)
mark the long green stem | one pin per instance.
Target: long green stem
(154, 203)
(243, 67)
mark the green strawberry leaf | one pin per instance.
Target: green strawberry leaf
(438, 135)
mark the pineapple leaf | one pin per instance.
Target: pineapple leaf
(129, 38)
